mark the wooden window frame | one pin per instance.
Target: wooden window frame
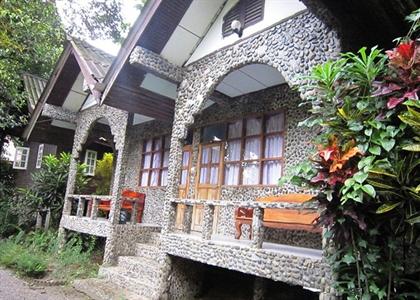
(187, 168)
(21, 150)
(261, 160)
(39, 156)
(210, 164)
(164, 147)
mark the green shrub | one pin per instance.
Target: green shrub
(31, 264)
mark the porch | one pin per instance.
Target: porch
(276, 261)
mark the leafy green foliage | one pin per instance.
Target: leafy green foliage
(31, 39)
(49, 186)
(34, 253)
(103, 174)
(367, 169)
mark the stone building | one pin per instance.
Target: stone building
(204, 119)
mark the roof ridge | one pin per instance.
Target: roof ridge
(86, 44)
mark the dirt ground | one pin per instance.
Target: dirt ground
(14, 288)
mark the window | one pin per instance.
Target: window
(254, 150)
(39, 156)
(21, 158)
(155, 158)
(248, 12)
(90, 162)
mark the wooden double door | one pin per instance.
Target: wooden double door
(208, 179)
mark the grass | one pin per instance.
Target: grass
(37, 254)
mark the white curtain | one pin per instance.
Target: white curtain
(231, 174)
(251, 173)
(271, 172)
(146, 163)
(203, 175)
(184, 177)
(165, 159)
(215, 154)
(233, 151)
(149, 145)
(275, 123)
(235, 130)
(154, 177)
(156, 160)
(252, 148)
(144, 177)
(158, 144)
(273, 146)
(205, 155)
(185, 158)
(214, 175)
(253, 126)
(164, 177)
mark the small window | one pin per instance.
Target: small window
(248, 12)
(155, 159)
(213, 133)
(90, 162)
(39, 156)
(21, 158)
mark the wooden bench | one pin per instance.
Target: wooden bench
(128, 199)
(290, 219)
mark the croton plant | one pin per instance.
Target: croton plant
(366, 168)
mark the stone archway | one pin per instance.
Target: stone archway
(292, 47)
(118, 121)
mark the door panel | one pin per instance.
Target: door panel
(209, 179)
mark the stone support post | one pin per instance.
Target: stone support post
(94, 211)
(260, 287)
(80, 206)
(257, 227)
(187, 220)
(134, 212)
(71, 183)
(207, 227)
(38, 223)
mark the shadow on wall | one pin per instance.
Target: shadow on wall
(193, 280)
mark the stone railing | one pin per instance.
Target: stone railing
(88, 205)
(257, 228)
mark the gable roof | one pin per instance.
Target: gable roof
(34, 85)
(77, 56)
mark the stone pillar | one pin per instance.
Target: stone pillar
(114, 214)
(38, 223)
(71, 183)
(94, 211)
(62, 237)
(179, 132)
(260, 287)
(207, 227)
(257, 227)
(187, 220)
(80, 206)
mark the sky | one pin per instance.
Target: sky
(130, 14)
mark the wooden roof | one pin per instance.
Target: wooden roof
(34, 85)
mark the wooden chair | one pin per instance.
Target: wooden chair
(128, 200)
(290, 219)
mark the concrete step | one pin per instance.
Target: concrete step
(141, 268)
(124, 279)
(100, 289)
(147, 251)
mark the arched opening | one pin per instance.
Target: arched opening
(246, 136)
(98, 154)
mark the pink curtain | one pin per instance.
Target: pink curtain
(165, 159)
(215, 154)
(147, 159)
(149, 145)
(233, 151)
(156, 160)
(164, 177)
(185, 158)
(214, 175)
(184, 174)
(158, 144)
(154, 177)
(203, 174)
(205, 155)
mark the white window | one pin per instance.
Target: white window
(90, 162)
(21, 158)
(39, 156)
